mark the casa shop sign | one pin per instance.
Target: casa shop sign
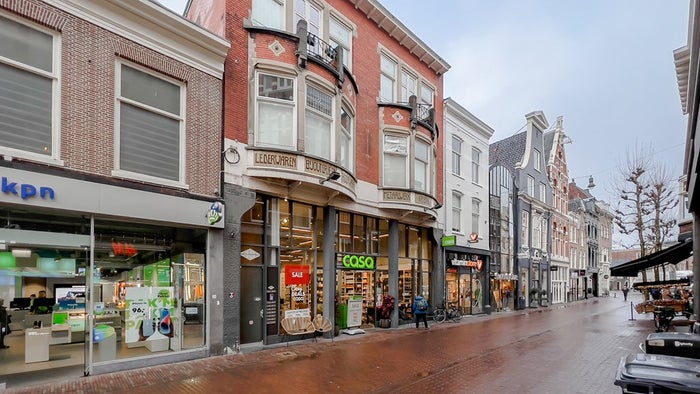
(26, 190)
(296, 275)
(355, 262)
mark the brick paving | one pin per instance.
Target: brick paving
(570, 348)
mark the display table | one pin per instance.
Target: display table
(36, 344)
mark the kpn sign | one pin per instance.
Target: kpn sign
(356, 262)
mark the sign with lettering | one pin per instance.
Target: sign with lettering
(391, 195)
(449, 240)
(274, 159)
(26, 190)
(296, 274)
(478, 264)
(356, 262)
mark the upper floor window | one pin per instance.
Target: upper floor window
(530, 186)
(422, 166)
(276, 108)
(456, 156)
(28, 90)
(395, 160)
(427, 95)
(318, 133)
(537, 159)
(475, 215)
(387, 90)
(543, 192)
(311, 13)
(476, 159)
(150, 134)
(268, 13)
(456, 212)
(347, 128)
(409, 85)
(525, 227)
(340, 35)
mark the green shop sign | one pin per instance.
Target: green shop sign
(449, 240)
(355, 262)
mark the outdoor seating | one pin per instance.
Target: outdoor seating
(298, 325)
(323, 325)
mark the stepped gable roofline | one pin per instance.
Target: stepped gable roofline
(508, 152)
(395, 29)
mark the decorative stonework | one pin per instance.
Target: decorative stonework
(397, 117)
(391, 195)
(276, 48)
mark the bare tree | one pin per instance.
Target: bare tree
(647, 199)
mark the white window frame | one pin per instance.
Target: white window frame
(424, 98)
(405, 155)
(55, 77)
(456, 212)
(331, 132)
(350, 135)
(289, 103)
(476, 206)
(408, 85)
(537, 160)
(543, 192)
(476, 164)
(531, 186)
(388, 75)
(427, 162)
(344, 42)
(118, 172)
(457, 144)
(266, 8)
(525, 229)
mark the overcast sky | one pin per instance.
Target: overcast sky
(606, 66)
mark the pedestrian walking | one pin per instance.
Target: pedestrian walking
(625, 290)
(420, 310)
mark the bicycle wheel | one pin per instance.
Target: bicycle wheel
(456, 314)
(439, 315)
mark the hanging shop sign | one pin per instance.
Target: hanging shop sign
(449, 240)
(472, 263)
(296, 274)
(355, 262)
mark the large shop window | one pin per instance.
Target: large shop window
(318, 135)
(276, 109)
(28, 80)
(151, 131)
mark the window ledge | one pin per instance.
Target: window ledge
(9, 154)
(134, 176)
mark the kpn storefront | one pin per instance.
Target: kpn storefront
(98, 277)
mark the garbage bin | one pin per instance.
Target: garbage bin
(487, 309)
(680, 344)
(653, 373)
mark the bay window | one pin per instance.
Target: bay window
(276, 109)
(422, 166)
(318, 134)
(28, 89)
(395, 160)
(150, 135)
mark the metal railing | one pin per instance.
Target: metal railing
(321, 49)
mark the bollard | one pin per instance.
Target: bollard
(631, 311)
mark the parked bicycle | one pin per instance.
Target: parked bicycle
(451, 311)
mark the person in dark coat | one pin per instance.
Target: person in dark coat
(421, 313)
(625, 290)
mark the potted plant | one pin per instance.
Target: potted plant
(385, 310)
(534, 295)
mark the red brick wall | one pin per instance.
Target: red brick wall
(365, 69)
(87, 73)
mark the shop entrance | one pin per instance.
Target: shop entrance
(251, 304)
(356, 306)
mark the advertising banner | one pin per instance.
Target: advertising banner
(296, 275)
(151, 314)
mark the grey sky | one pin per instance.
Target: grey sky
(606, 66)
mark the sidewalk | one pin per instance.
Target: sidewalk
(253, 354)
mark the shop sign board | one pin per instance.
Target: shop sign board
(478, 264)
(355, 311)
(449, 240)
(351, 261)
(296, 274)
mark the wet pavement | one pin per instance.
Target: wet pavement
(572, 348)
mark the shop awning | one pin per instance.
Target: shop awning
(671, 255)
(671, 282)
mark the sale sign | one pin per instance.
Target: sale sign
(296, 275)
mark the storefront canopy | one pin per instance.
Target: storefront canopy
(672, 255)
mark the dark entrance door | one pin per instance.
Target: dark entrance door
(251, 305)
